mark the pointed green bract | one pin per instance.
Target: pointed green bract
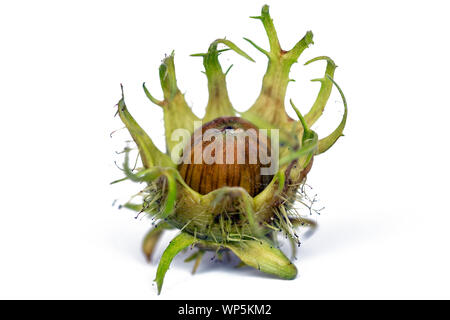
(219, 104)
(307, 132)
(180, 242)
(150, 154)
(309, 138)
(177, 113)
(262, 255)
(324, 93)
(269, 105)
(327, 142)
(151, 98)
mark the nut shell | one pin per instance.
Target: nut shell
(240, 164)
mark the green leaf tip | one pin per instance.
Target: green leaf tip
(211, 56)
(235, 48)
(150, 154)
(150, 97)
(198, 55)
(326, 86)
(265, 10)
(309, 37)
(307, 133)
(219, 104)
(179, 243)
(327, 142)
(174, 103)
(264, 256)
(293, 54)
(257, 47)
(167, 77)
(328, 59)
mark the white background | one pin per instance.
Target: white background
(385, 230)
